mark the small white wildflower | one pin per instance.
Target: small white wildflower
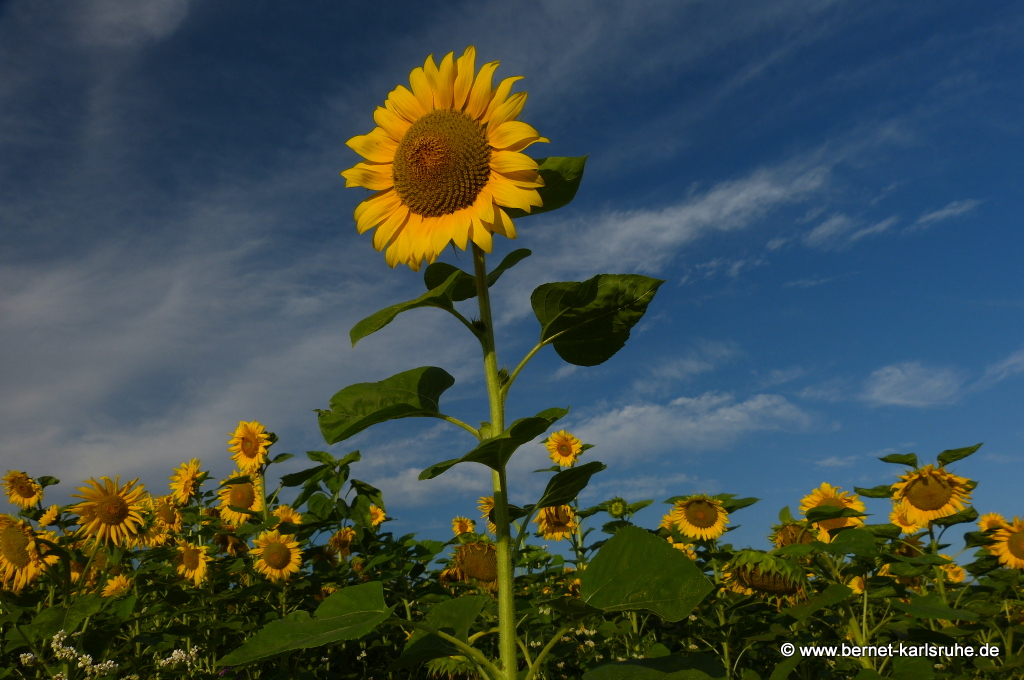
(27, 659)
(589, 643)
(620, 658)
(324, 659)
(60, 676)
(692, 617)
(560, 664)
(566, 638)
(84, 660)
(599, 656)
(362, 655)
(693, 646)
(534, 643)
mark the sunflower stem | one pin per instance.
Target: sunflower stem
(506, 602)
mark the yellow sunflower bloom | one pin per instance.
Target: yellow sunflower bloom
(111, 513)
(954, 573)
(279, 555)
(477, 560)
(191, 562)
(249, 444)
(827, 495)
(167, 514)
(444, 161)
(463, 525)
(699, 517)
(899, 517)
(486, 504)
(286, 514)
(185, 481)
(685, 548)
(563, 448)
(857, 584)
(1008, 544)
(790, 533)
(244, 495)
(22, 490)
(342, 541)
(20, 559)
(556, 523)
(377, 516)
(50, 517)
(117, 587)
(992, 520)
(931, 493)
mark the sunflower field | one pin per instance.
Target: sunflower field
(223, 579)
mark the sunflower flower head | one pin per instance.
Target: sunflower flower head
(278, 555)
(342, 541)
(563, 448)
(931, 493)
(1008, 544)
(243, 495)
(445, 162)
(556, 522)
(486, 505)
(952, 571)
(22, 490)
(20, 559)
(699, 517)
(478, 560)
(285, 513)
(50, 516)
(249, 443)
(789, 533)
(899, 517)
(185, 481)
(463, 525)
(117, 587)
(377, 516)
(110, 512)
(992, 520)
(191, 562)
(827, 495)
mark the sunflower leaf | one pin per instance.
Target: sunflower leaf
(901, 459)
(496, 451)
(832, 595)
(822, 513)
(441, 296)
(566, 485)
(932, 607)
(664, 667)
(880, 491)
(451, 616)
(636, 570)
(588, 322)
(950, 455)
(347, 614)
(465, 286)
(562, 176)
(410, 394)
(968, 514)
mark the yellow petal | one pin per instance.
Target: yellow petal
(481, 237)
(503, 224)
(444, 83)
(389, 227)
(507, 111)
(421, 88)
(441, 234)
(461, 224)
(480, 95)
(524, 179)
(405, 104)
(511, 161)
(509, 195)
(484, 205)
(500, 95)
(375, 177)
(465, 66)
(377, 147)
(513, 135)
(370, 212)
(394, 125)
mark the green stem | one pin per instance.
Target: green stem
(506, 602)
(455, 421)
(471, 652)
(535, 666)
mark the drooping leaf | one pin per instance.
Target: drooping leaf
(588, 322)
(672, 667)
(783, 670)
(951, 455)
(410, 394)
(465, 286)
(561, 175)
(932, 607)
(859, 542)
(913, 668)
(880, 491)
(968, 514)
(451, 616)
(347, 614)
(496, 451)
(636, 570)
(822, 513)
(441, 297)
(834, 594)
(567, 484)
(900, 459)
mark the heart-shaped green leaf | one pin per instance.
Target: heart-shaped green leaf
(562, 176)
(465, 287)
(951, 455)
(440, 296)
(567, 484)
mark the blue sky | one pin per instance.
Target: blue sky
(830, 189)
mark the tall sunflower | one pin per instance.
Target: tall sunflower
(50, 516)
(244, 495)
(463, 525)
(557, 522)
(1008, 544)
(377, 516)
(342, 541)
(185, 481)
(286, 513)
(486, 505)
(563, 448)
(21, 489)
(827, 495)
(20, 559)
(279, 555)
(117, 587)
(111, 512)
(249, 443)
(991, 520)
(700, 517)
(477, 560)
(899, 517)
(444, 161)
(191, 562)
(931, 493)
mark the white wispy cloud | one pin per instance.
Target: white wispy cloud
(809, 283)
(951, 210)
(704, 357)
(912, 384)
(1001, 370)
(837, 461)
(840, 231)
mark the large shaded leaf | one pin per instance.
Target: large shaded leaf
(561, 175)
(588, 322)
(932, 607)
(834, 594)
(567, 484)
(440, 296)
(880, 491)
(409, 394)
(451, 616)
(900, 459)
(496, 451)
(968, 514)
(465, 286)
(347, 614)
(951, 455)
(637, 570)
(674, 667)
